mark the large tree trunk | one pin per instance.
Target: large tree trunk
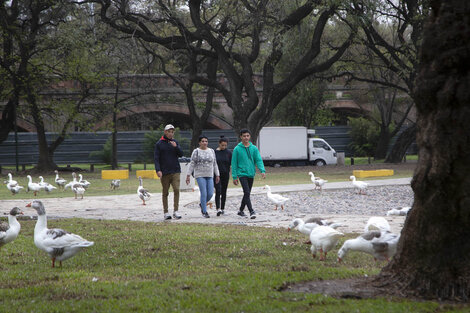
(382, 145)
(404, 140)
(433, 258)
(7, 122)
(45, 161)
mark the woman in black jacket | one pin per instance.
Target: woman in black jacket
(224, 159)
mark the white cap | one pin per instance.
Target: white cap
(169, 126)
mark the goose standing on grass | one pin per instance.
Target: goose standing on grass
(9, 231)
(85, 183)
(46, 186)
(317, 181)
(34, 187)
(115, 184)
(78, 190)
(381, 245)
(143, 194)
(10, 182)
(309, 225)
(304, 228)
(59, 244)
(362, 186)
(73, 182)
(14, 189)
(275, 198)
(60, 182)
(377, 223)
(323, 239)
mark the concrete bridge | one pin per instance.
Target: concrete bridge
(161, 96)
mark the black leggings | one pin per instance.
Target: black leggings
(247, 183)
(221, 191)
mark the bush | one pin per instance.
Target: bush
(364, 135)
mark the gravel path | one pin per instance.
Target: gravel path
(343, 205)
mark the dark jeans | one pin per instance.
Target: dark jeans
(221, 191)
(247, 183)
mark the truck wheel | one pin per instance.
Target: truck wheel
(320, 163)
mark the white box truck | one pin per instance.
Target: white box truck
(292, 145)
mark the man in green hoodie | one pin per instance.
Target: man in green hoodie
(244, 159)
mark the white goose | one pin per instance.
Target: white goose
(9, 232)
(59, 180)
(78, 190)
(115, 184)
(47, 187)
(85, 183)
(35, 187)
(10, 182)
(14, 189)
(399, 211)
(377, 223)
(309, 225)
(381, 245)
(362, 186)
(323, 239)
(73, 182)
(143, 194)
(59, 244)
(275, 198)
(317, 181)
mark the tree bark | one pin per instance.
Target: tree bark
(404, 140)
(433, 257)
(7, 122)
(382, 145)
(45, 161)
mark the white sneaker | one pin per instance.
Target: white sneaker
(167, 216)
(176, 215)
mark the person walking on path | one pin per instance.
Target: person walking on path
(244, 159)
(167, 166)
(224, 159)
(204, 164)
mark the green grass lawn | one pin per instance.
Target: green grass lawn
(100, 187)
(171, 267)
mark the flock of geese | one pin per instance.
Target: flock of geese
(78, 186)
(376, 240)
(279, 200)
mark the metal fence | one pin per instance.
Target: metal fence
(77, 147)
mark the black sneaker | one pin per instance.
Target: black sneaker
(205, 214)
(222, 212)
(167, 216)
(219, 212)
(241, 213)
(252, 215)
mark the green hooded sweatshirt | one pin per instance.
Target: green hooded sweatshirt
(244, 160)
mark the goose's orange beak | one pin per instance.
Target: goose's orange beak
(28, 205)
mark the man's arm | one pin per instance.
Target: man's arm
(156, 159)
